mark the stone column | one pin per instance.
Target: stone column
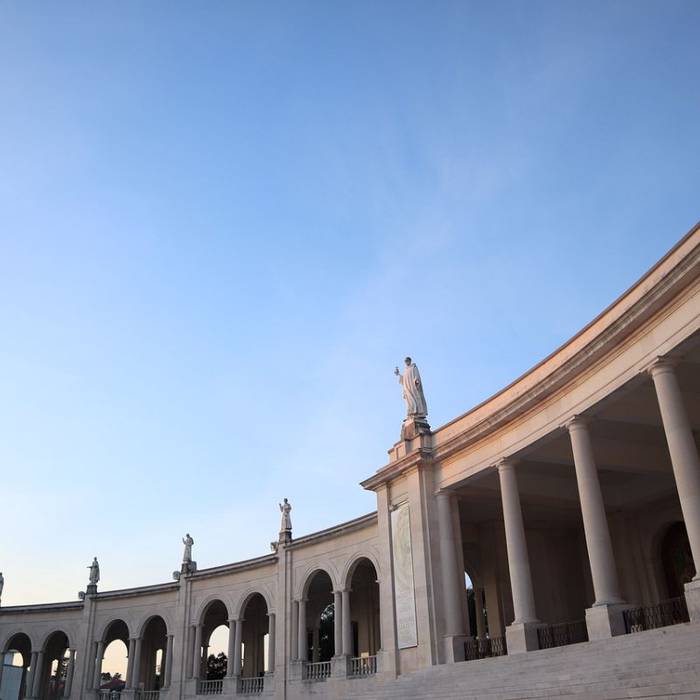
(197, 652)
(303, 650)
(338, 622)
(454, 633)
(136, 668)
(205, 661)
(70, 671)
(315, 634)
(130, 662)
(237, 650)
(38, 675)
(294, 631)
(347, 623)
(479, 608)
(99, 655)
(686, 465)
(168, 660)
(521, 635)
(29, 681)
(231, 647)
(271, 646)
(604, 619)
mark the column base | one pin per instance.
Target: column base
(295, 669)
(339, 666)
(522, 637)
(605, 621)
(453, 645)
(692, 598)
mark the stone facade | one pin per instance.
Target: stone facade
(571, 499)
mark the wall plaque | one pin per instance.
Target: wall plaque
(403, 577)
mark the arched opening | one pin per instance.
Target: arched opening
(215, 640)
(676, 559)
(320, 617)
(149, 675)
(364, 610)
(111, 674)
(16, 658)
(254, 637)
(55, 666)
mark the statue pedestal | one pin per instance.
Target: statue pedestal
(91, 589)
(285, 537)
(413, 427)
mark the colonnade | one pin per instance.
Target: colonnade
(604, 617)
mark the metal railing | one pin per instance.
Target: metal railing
(210, 687)
(562, 634)
(147, 694)
(361, 666)
(251, 686)
(668, 612)
(109, 694)
(317, 671)
(484, 648)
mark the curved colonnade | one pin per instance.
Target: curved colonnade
(571, 500)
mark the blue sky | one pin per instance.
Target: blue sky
(223, 224)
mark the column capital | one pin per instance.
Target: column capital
(577, 422)
(661, 364)
(342, 589)
(506, 464)
(234, 620)
(271, 613)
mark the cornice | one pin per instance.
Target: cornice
(245, 565)
(344, 528)
(420, 457)
(41, 607)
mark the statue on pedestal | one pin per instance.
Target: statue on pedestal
(286, 523)
(2, 585)
(188, 566)
(94, 575)
(416, 408)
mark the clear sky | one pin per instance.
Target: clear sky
(223, 224)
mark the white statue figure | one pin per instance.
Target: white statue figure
(412, 390)
(188, 542)
(286, 524)
(94, 572)
(2, 583)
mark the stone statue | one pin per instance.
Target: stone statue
(286, 524)
(2, 584)
(412, 390)
(94, 572)
(188, 542)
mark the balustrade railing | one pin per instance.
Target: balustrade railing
(361, 666)
(316, 671)
(562, 634)
(210, 687)
(484, 648)
(663, 614)
(109, 694)
(251, 686)
(147, 694)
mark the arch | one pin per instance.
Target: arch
(112, 629)
(255, 626)
(319, 620)
(206, 603)
(352, 564)
(141, 627)
(47, 638)
(53, 677)
(149, 673)
(245, 599)
(309, 576)
(363, 591)
(21, 643)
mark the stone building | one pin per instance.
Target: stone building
(571, 499)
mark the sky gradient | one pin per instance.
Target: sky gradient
(222, 225)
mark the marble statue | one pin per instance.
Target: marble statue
(94, 572)
(412, 390)
(188, 542)
(2, 583)
(286, 524)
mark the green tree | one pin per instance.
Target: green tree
(216, 666)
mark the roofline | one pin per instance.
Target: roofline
(573, 338)
(348, 526)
